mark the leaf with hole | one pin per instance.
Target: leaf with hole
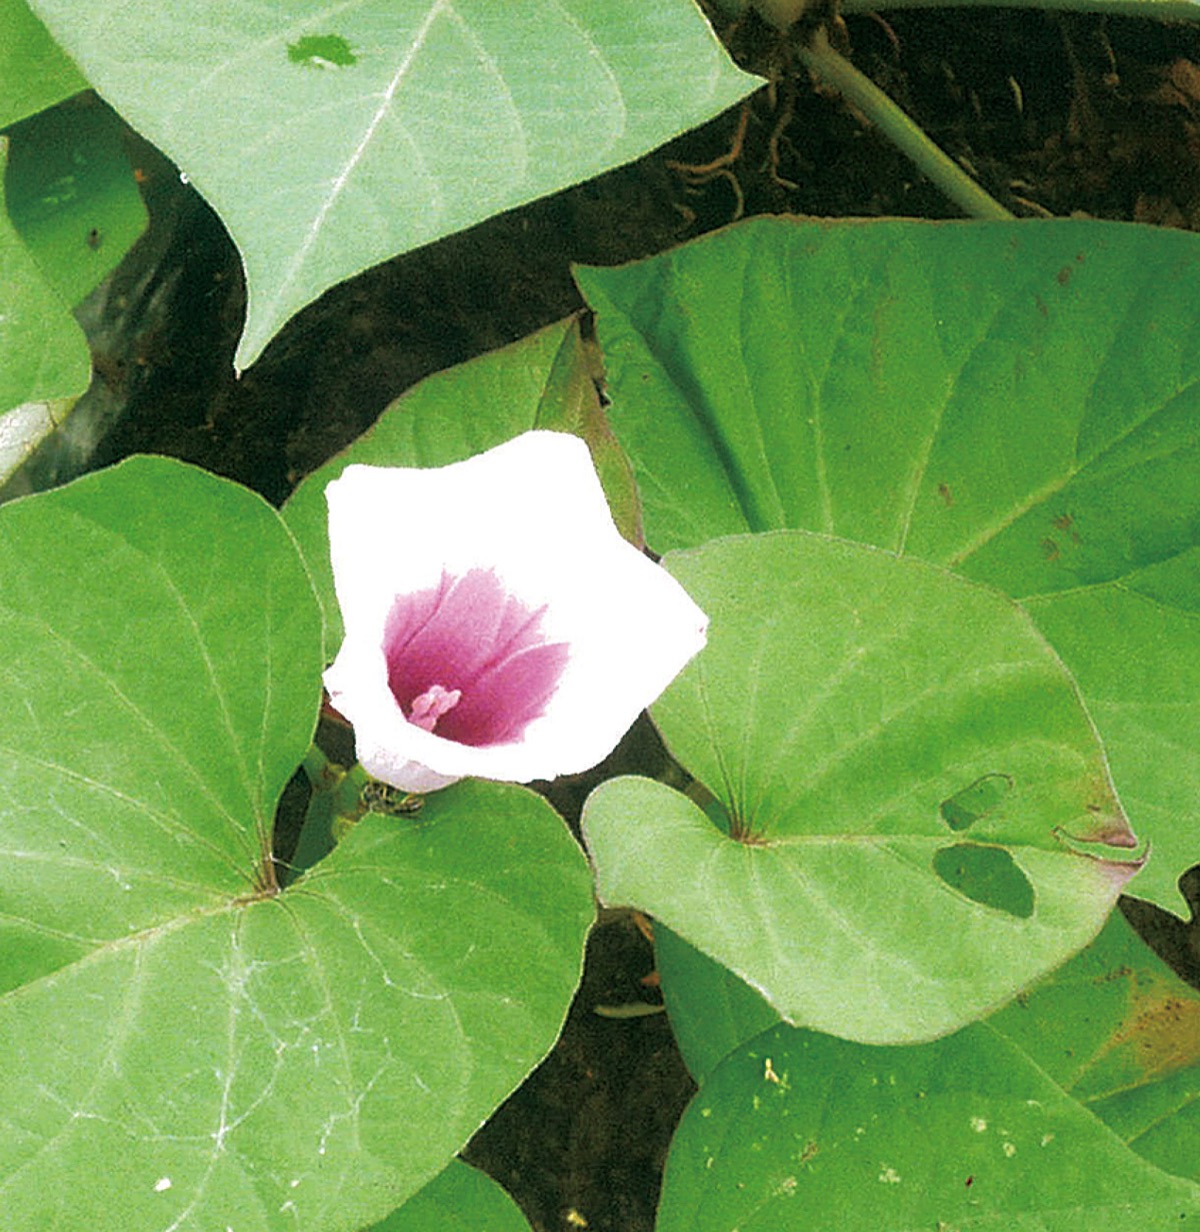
(1015, 401)
(331, 137)
(845, 694)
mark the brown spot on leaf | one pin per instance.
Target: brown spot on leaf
(1123, 972)
(1066, 523)
(1162, 1039)
(945, 494)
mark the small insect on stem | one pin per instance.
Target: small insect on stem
(377, 797)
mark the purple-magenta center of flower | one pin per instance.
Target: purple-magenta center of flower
(469, 661)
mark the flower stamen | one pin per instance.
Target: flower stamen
(436, 701)
(469, 632)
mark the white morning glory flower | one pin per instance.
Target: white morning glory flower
(496, 623)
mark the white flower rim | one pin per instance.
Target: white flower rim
(532, 511)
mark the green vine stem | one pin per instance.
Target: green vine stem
(333, 808)
(834, 70)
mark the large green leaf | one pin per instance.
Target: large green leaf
(1118, 1031)
(458, 1200)
(43, 353)
(332, 136)
(206, 1050)
(802, 1132)
(72, 195)
(1114, 1028)
(1018, 401)
(34, 72)
(909, 778)
(543, 381)
(158, 650)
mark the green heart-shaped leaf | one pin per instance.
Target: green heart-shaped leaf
(208, 1050)
(330, 138)
(1016, 401)
(848, 699)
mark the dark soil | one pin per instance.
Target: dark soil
(1054, 115)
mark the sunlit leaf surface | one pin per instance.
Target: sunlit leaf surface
(330, 136)
(1017, 401)
(845, 699)
(208, 1051)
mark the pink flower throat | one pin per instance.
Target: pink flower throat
(468, 661)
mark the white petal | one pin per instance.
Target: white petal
(533, 511)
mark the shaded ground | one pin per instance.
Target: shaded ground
(1054, 115)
